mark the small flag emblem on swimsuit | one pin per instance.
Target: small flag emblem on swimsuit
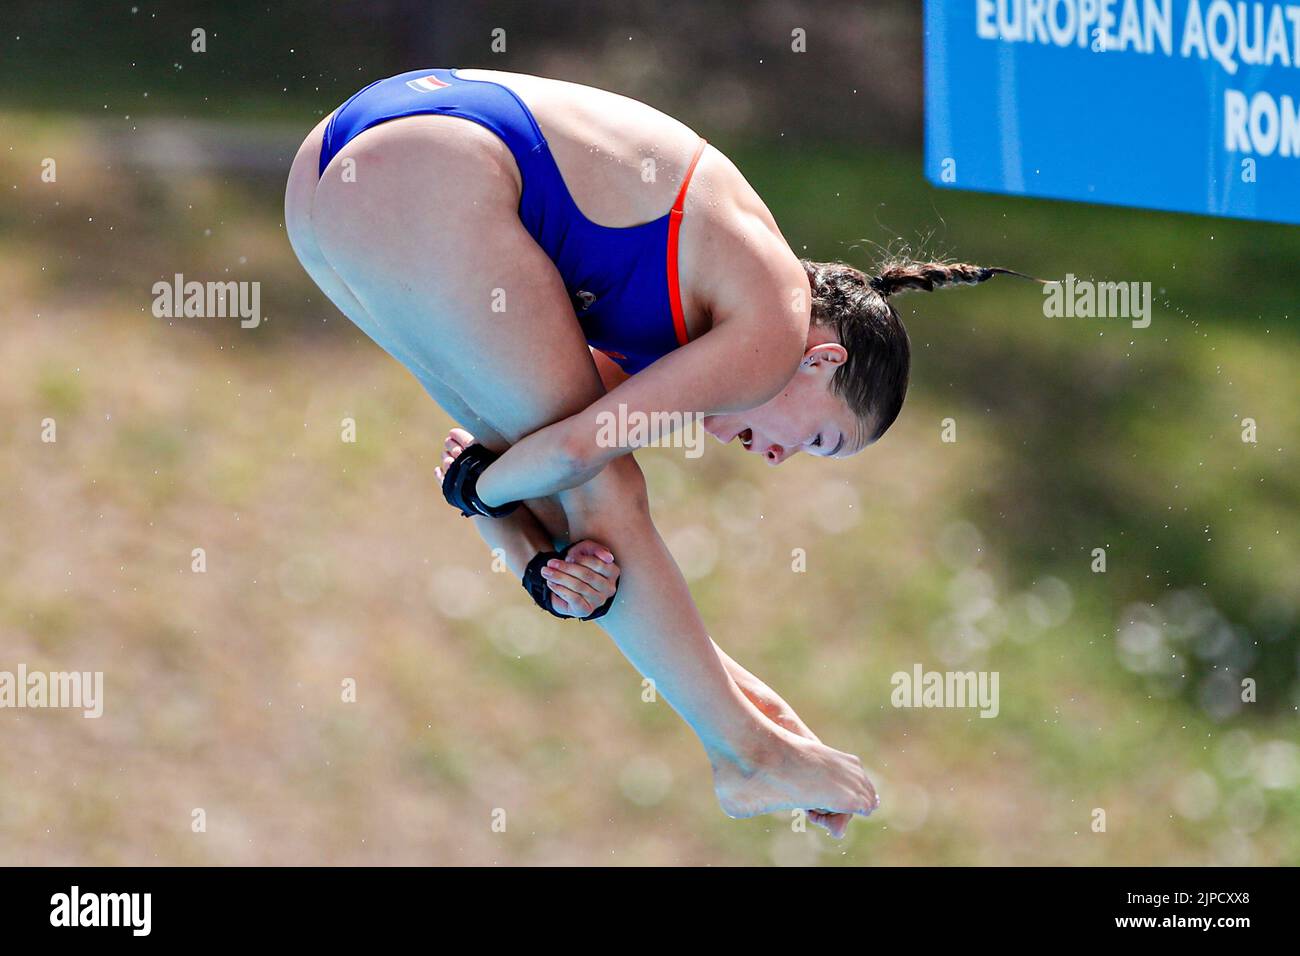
(426, 84)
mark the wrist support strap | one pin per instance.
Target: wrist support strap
(460, 481)
(541, 593)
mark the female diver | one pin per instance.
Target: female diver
(539, 254)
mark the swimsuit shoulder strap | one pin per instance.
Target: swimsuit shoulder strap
(680, 204)
(674, 227)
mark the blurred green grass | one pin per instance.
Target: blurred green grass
(329, 560)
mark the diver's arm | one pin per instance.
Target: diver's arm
(727, 369)
(760, 309)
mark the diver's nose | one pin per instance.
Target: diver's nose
(774, 454)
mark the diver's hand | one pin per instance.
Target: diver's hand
(584, 579)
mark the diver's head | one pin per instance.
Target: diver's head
(850, 385)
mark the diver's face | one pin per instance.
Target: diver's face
(805, 417)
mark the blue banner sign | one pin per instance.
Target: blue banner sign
(1184, 105)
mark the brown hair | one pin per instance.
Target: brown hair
(856, 306)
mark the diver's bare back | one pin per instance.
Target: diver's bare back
(623, 162)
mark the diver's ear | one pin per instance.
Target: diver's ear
(830, 355)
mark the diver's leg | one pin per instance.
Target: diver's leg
(527, 531)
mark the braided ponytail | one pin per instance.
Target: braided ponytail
(901, 276)
(873, 380)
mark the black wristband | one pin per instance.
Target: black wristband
(542, 595)
(459, 484)
(535, 584)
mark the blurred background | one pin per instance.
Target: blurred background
(329, 561)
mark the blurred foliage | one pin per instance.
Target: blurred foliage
(304, 57)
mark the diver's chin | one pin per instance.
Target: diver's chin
(726, 434)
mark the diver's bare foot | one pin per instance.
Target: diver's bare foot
(795, 773)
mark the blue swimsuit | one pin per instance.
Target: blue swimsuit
(622, 282)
